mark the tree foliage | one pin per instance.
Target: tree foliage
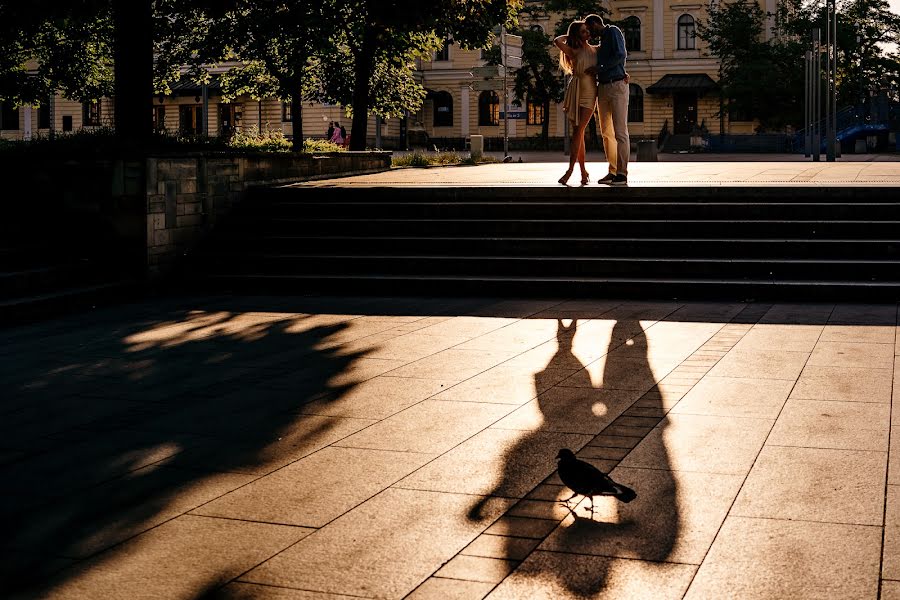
(393, 33)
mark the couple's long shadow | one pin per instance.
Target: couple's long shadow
(645, 529)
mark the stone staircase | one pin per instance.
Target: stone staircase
(714, 242)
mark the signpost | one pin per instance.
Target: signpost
(496, 77)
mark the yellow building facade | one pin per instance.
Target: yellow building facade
(672, 89)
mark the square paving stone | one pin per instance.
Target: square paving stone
(735, 397)
(252, 591)
(436, 588)
(864, 314)
(317, 489)
(674, 518)
(852, 354)
(183, 558)
(505, 385)
(520, 336)
(791, 338)
(891, 562)
(894, 458)
(815, 484)
(376, 398)
(700, 443)
(81, 525)
(477, 568)
(826, 424)
(385, 547)
(798, 314)
(876, 334)
(770, 558)
(262, 449)
(571, 410)
(557, 575)
(890, 590)
(431, 426)
(468, 327)
(500, 546)
(768, 364)
(497, 462)
(522, 527)
(411, 346)
(453, 365)
(844, 384)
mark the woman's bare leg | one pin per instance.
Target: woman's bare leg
(584, 118)
(573, 157)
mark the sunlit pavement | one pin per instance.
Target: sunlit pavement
(766, 170)
(387, 448)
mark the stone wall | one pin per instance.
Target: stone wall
(136, 216)
(187, 194)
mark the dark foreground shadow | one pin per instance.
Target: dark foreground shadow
(105, 443)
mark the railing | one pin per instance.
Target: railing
(851, 121)
(663, 135)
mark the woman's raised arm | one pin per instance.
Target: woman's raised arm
(565, 48)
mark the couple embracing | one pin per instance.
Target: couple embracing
(599, 83)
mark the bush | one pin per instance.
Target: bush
(427, 159)
(259, 141)
(310, 145)
(103, 141)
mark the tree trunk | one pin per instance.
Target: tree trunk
(133, 56)
(297, 120)
(365, 63)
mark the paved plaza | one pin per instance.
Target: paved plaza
(700, 170)
(300, 448)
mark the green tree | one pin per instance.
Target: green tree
(274, 48)
(384, 34)
(756, 77)
(868, 35)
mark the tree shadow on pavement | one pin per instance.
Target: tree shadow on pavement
(147, 421)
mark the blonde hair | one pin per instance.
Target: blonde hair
(574, 42)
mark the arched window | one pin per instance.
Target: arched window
(536, 28)
(686, 31)
(443, 109)
(535, 113)
(635, 103)
(631, 29)
(488, 109)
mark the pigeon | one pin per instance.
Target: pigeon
(584, 479)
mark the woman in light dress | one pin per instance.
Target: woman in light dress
(576, 56)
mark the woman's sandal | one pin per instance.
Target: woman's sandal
(565, 178)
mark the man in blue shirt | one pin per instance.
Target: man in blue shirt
(612, 94)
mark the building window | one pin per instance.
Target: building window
(488, 109)
(443, 55)
(190, 119)
(159, 118)
(635, 103)
(686, 31)
(67, 123)
(9, 116)
(286, 113)
(443, 109)
(535, 113)
(736, 113)
(91, 114)
(631, 29)
(230, 117)
(536, 28)
(44, 116)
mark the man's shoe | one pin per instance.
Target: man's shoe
(608, 179)
(620, 180)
